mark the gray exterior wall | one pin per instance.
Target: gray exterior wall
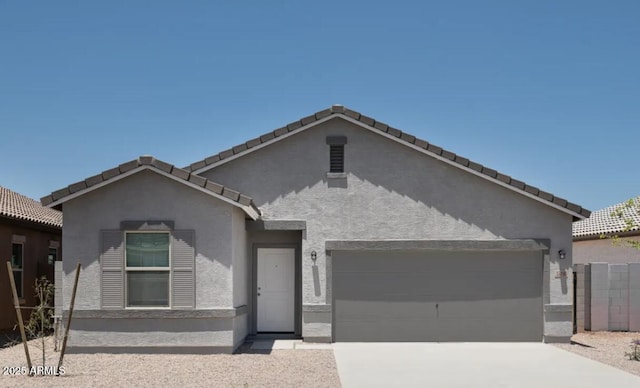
(271, 238)
(240, 270)
(603, 250)
(391, 192)
(149, 196)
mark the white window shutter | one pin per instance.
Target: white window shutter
(112, 269)
(182, 269)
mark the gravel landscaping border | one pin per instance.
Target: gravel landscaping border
(248, 368)
(606, 347)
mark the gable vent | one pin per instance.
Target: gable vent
(336, 158)
(336, 153)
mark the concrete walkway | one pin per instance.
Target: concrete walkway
(284, 344)
(472, 365)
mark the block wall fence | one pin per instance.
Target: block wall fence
(607, 297)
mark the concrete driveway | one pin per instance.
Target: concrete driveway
(472, 365)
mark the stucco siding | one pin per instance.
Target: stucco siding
(241, 276)
(587, 251)
(149, 196)
(390, 192)
(240, 266)
(123, 332)
(240, 330)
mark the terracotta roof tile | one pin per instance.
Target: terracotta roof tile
(605, 221)
(381, 126)
(409, 139)
(212, 159)
(93, 180)
(18, 206)
(298, 124)
(323, 113)
(460, 160)
(239, 148)
(423, 144)
(504, 178)
(308, 120)
(395, 132)
(476, 166)
(280, 131)
(449, 155)
(252, 143)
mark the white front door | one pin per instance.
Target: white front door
(276, 289)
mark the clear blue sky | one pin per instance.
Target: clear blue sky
(545, 91)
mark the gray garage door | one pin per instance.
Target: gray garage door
(437, 296)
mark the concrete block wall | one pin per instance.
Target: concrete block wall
(634, 296)
(587, 297)
(608, 297)
(618, 297)
(599, 296)
(580, 297)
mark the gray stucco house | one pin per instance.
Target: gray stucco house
(336, 227)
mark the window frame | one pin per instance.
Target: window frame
(21, 269)
(128, 269)
(55, 257)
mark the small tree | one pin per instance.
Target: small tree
(40, 322)
(625, 212)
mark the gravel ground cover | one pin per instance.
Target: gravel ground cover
(276, 368)
(606, 347)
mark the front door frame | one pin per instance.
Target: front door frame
(297, 285)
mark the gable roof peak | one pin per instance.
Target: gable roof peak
(149, 162)
(395, 134)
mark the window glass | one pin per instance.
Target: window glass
(148, 288)
(17, 253)
(16, 256)
(147, 261)
(53, 255)
(147, 249)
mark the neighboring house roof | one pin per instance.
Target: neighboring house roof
(605, 221)
(150, 163)
(18, 206)
(394, 134)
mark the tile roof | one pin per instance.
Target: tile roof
(20, 207)
(341, 111)
(605, 221)
(149, 162)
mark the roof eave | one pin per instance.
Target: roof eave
(426, 148)
(251, 210)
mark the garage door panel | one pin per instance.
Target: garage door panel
(375, 311)
(437, 296)
(394, 286)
